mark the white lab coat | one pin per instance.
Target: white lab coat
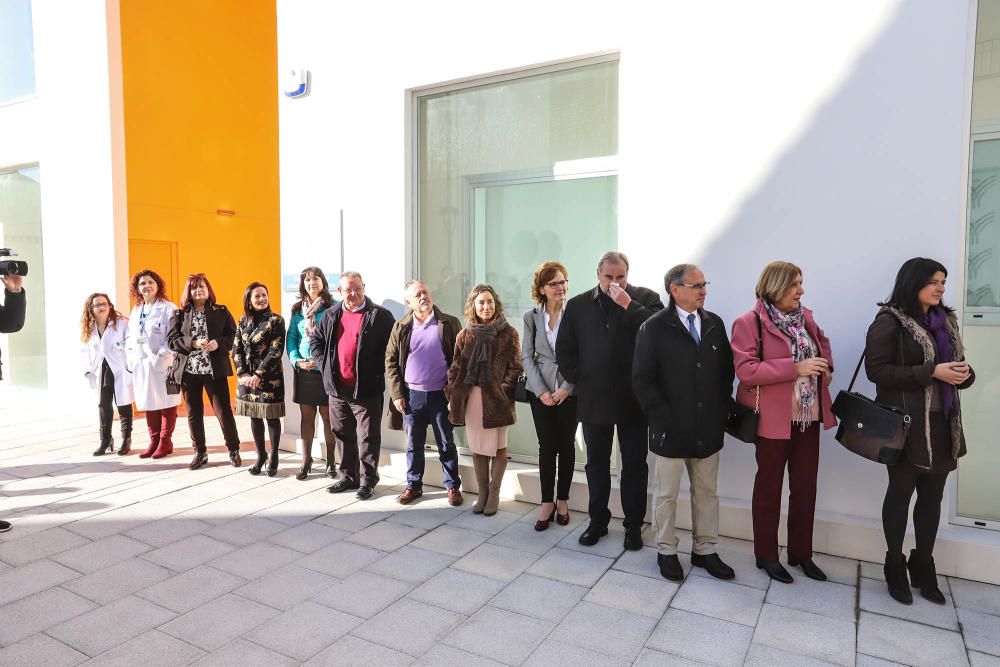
(110, 347)
(149, 361)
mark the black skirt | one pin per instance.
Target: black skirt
(308, 388)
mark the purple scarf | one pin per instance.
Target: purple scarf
(935, 322)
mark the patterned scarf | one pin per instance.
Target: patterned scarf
(309, 310)
(480, 371)
(935, 323)
(793, 325)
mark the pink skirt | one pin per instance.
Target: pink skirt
(485, 441)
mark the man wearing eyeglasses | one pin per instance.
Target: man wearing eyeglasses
(683, 376)
(594, 352)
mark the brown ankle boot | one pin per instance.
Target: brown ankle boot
(496, 479)
(481, 465)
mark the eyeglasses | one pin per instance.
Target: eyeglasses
(103, 304)
(697, 286)
(555, 284)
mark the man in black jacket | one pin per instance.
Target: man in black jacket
(594, 351)
(683, 377)
(11, 320)
(348, 348)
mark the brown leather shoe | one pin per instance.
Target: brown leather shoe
(408, 495)
(455, 497)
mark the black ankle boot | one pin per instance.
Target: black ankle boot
(272, 464)
(256, 468)
(895, 578)
(107, 443)
(923, 575)
(126, 420)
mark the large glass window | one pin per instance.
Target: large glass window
(510, 174)
(17, 51)
(23, 353)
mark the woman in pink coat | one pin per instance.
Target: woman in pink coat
(788, 366)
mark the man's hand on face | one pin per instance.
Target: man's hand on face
(619, 295)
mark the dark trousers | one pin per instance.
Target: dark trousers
(555, 427)
(632, 441)
(218, 395)
(423, 409)
(106, 413)
(904, 479)
(357, 423)
(800, 453)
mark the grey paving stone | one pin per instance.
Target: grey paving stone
(385, 536)
(909, 643)
(869, 661)
(523, 537)
(340, 559)
(428, 516)
(43, 544)
(610, 546)
(351, 651)
(308, 537)
(255, 560)
(490, 525)
(353, 521)
(119, 580)
(745, 566)
(412, 565)
(497, 562)
(304, 630)
(489, 631)
(837, 569)
(633, 592)
(458, 591)
(188, 553)
(109, 523)
(101, 553)
(363, 594)
(981, 631)
(408, 626)
(40, 650)
(105, 627)
(616, 633)
(643, 562)
(553, 653)
(825, 598)
(718, 642)
(38, 612)
(189, 590)
(720, 599)
(31, 578)
(152, 647)
(767, 656)
(971, 595)
(449, 655)
(573, 567)
(875, 598)
(807, 634)
(286, 587)
(450, 540)
(217, 623)
(241, 653)
(246, 530)
(978, 659)
(166, 531)
(542, 598)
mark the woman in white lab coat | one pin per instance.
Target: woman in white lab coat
(102, 331)
(149, 359)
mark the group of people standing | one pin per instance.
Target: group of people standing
(611, 358)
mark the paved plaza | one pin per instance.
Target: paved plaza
(120, 561)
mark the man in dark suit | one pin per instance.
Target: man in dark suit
(594, 352)
(11, 320)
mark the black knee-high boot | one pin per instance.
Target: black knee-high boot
(125, 415)
(107, 443)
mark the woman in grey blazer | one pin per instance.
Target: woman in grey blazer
(553, 406)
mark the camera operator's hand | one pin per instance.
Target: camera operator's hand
(13, 283)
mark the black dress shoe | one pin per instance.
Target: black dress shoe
(234, 458)
(200, 459)
(775, 570)
(342, 485)
(365, 492)
(670, 567)
(592, 534)
(809, 568)
(633, 538)
(713, 565)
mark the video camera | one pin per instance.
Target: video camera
(11, 267)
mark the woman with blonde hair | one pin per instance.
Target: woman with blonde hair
(480, 390)
(102, 332)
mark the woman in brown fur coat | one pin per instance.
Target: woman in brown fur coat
(915, 357)
(480, 389)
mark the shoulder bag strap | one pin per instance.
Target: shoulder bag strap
(760, 357)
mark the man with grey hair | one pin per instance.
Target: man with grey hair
(594, 351)
(683, 377)
(421, 348)
(348, 348)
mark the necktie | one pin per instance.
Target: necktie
(694, 332)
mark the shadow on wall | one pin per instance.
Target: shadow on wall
(853, 197)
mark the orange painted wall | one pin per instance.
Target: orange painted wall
(201, 134)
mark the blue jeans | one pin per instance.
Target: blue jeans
(423, 409)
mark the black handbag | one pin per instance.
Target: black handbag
(741, 423)
(869, 429)
(521, 393)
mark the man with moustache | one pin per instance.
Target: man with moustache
(421, 348)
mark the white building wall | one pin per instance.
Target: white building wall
(749, 132)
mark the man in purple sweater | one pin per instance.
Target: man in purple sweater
(420, 351)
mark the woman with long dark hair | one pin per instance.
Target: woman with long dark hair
(102, 331)
(307, 390)
(201, 333)
(915, 356)
(149, 359)
(260, 395)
